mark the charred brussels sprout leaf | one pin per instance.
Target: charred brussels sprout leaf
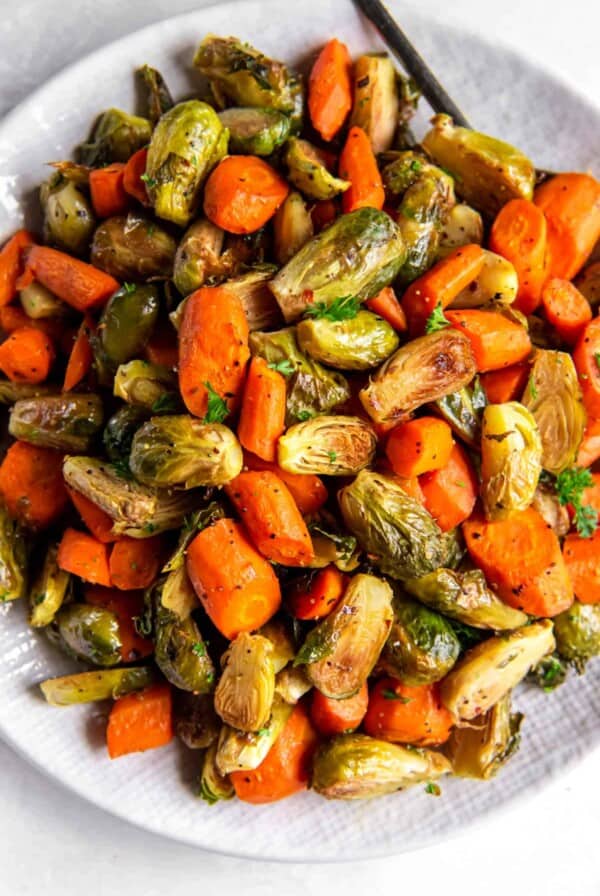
(511, 459)
(422, 646)
(114, 138)
(548, 505)
(119, 432)
(258, 302)
(308, 171)
(193, 524)
(423, 370)
(244, 694)
(148, 385)
(68, 216)
(188, 141)
(255, 131)
(329, 445)
(363, 342)
(103, 684)
(332, 545)
(354, 767)
(199, 258)
(90, 633)
(293, 227)
(67, 422)
(588, 283)
(463, 411)
(133, 248)
(357, 255)
(213, 785)
(245, 750)
(13, 558)
(48, 591)
(196, 722)
(180, 651)
(480, 749)
(376, 102)
(127, 322)
(159, 98)
(577, 633)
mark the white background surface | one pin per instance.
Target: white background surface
(51, 842)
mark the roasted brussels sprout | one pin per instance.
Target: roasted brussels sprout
(258, 302)
(588, 282)
(244, 76)
(159, 97)
(460, 226)
(293, 227)
(360, 343)
(13, 559)
(487, 171)
(213, 785)
(90, 633)
(180, 651)
(102, 684)
(463, 411)
(511, 459)
(11, 392)
(183, 451)
(307, 170)
(465, 596)
(39, 303)
(114, 138)
(312, 389)
(354, 767)
(283, 646)
(119, 432)
(577, 633)
(404, 541)
(48, 591)
(127, 322)
(149, 385)
(188, 141)
(133, 248)
(496, 282)
(422, 646)
(67, 422)
(199, 258)
(423, 370)
(68, 216)
(545, 501)
(478, 750)
(554, 398)
(245, 691)
(357, 255)
(329, 445)
(245, 750)
(196, 722)
(376, 103)
(178, 593)
(292, 683)
(255, 131)
(488, 671)
(341, 651)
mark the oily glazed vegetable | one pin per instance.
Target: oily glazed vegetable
(302, 415)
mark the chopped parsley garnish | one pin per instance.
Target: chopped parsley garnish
(437, 320)
(570, 486)
(217, 409)
(303, 416)
(433, 789)
(344, 308)
(388, 694)
(149, 181)
(332, 455)
(285, 368)
(532, 388)
(597, 360)
(129, 287)
(199, 649)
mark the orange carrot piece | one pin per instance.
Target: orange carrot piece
(32, 485)
(387, 306)
(359, 166)
(331, 717)
(135, 168)
(213, 348)
(126, 605)
(320, 597)
(449, 494)
(521, 560)
(96, 520)
(323, 213)
(162, 347)
(407, 715)
(519, 235)
(286, 767)
(77, 283)
(135, 562)
(242, 193)
(506, 384)
(11, 264)
(307, 490)
(496, 341)
(419, 446)
(581, 559)
(81, 357)
(236, 585)
(27, 356)
(586, 356)
(330, 89)
(262, 419)
(440, 285)
(140, 721)
(571, 205)
(108, 193)
(566, 309)
(589, 450)
(84, 556)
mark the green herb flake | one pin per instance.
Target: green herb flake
(285, 368)
(344, 308)
(532, 388)
(129, 288)
(217, 409)
(332, 455)
(121, 468)
(597, 360)
(388, 694)
(303, 416)
(570, 486)
(433, 789)
(166, 403)
(262, 732)
(149, 181)
(199, 649)
(437, 320)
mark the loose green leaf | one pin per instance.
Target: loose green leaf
(217, 409)
(344, 308)
(437, 320)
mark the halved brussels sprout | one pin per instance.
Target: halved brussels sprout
(422, 646)
(258, 302)
(291, 684)
(553, 396)
(159, 97)
(496, 282)
(13, 558)
(101, 684)
(463, 411)
(577, 633)
(184, 452)
(511, 459)
(376, 103)
(200, 258)
(196, 722)
(39, 303)
(400, 536)
(307, 170)
(90, 633)
(329, 445)
(293, 227)
(245, 750)
(48, 591)
(127, 322)
(246, 77)
(283, 646)
(67, 422)
(11, 392)
(187, 143)
(466, 597)
(588, 283)
(490, 670)
(180, 651)
(488, 172)
(357, 255)
(460, 226)
(68, 215)
(119, 432)
(354, 767)
(115, 137)
(480, 749)
(213, 785)
(245, 691)
(341, 651)
(133, 248)
(360, 343)
(255, 131)
(312, 389)
(421, 371)
(178, 594)
(150, 385)
(545, 501)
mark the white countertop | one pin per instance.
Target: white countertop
(52, 842)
